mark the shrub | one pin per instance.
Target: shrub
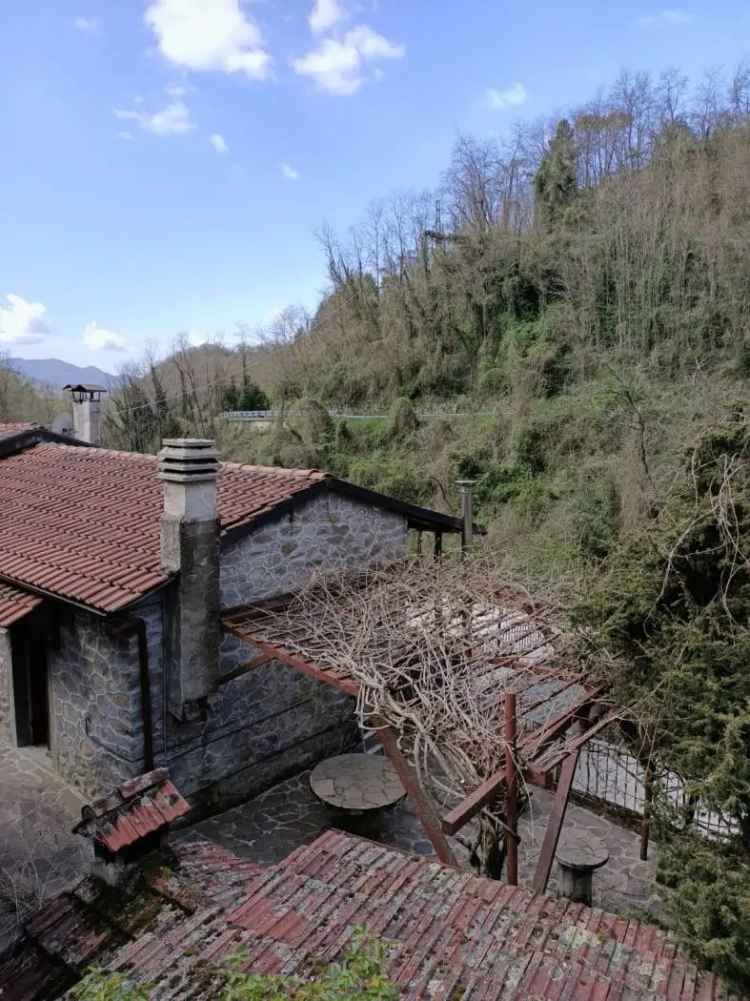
(402, 419)
(360, 975)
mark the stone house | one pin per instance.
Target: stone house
(115, 569)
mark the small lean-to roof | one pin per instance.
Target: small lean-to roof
(449, 935)
(82, 524)
(136, 809)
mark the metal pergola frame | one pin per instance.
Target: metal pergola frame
(526, 641)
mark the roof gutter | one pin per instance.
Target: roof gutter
(133, 624)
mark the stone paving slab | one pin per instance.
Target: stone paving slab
(39, 856)
(273, 824)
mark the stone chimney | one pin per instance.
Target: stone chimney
(188, 468)
(87, 412)
(131, 823)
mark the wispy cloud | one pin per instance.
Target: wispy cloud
(87, 25)
(209, 35)
(509, 97)
(325, 14)
(339, 65)
(98, 338)
(218, 142)
(671, 16)
(172, 119)
(289, 172)
(22, 322)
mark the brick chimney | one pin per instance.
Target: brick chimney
(188, 468)
(87, 412)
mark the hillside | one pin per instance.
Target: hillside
(53, 373)
(579, 294)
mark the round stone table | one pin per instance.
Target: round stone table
(357, 783)
(579, 855)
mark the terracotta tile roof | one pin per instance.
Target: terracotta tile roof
(12, 429)
(450, 935)
(136, 809)
(14, 604)
(83, 523)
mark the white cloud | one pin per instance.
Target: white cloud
(338, 66)
(22, 322)
(88, 25)
(672, 16)
(325, 14)
(509, 97)
(218, 142)
(125, 135)
(98, 338)
(209, 35)
(289, 172)
(172, 119)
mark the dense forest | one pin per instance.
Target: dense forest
(565, 320)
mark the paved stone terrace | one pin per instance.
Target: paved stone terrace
(270, 826)
(39, 856)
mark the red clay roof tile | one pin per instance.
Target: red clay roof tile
(83, 523)
(15, 604)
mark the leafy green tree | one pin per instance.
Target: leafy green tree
(555, 182)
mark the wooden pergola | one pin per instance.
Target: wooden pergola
(545, 708)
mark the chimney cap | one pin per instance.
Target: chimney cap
(188, 460)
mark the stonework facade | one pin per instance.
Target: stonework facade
(6, 687)
(328, 532)
(256, 728)
(96, 727)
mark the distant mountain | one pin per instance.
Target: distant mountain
(56, 373)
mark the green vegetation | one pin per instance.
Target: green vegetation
(566, 320)
(672, 605)
(360, 975)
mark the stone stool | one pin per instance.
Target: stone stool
(579, 855)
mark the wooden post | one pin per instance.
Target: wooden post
(419, 543)
(648, 795)
(438, 545)
(422, 803)
(511, 791)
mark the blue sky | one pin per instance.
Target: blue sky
(167, 162)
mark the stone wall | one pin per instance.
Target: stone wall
(329, 532)
(6, 687)
(260, 727)
(96, 731)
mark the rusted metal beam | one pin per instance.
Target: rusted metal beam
(555, 757)
(422, 803)
(473, 803)
(538, 740)
(345, 685)
(511, 791)
(554, 825)
(648, 792)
